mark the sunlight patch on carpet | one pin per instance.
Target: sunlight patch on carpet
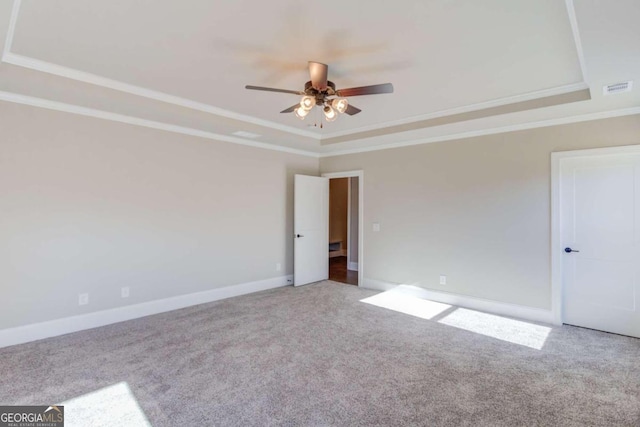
(410, 300)
(110, 406)
(502, 328)
(407, 304)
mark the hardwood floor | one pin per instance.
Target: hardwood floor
(338, 271)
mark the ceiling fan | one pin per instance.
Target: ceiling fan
(322, 93)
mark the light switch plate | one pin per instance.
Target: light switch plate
(443, 280)
(376, 226)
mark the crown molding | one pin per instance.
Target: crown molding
(503, 129)
(70, 73)
(136, 121)
(573, 21)
(50, 68)
(62, 71)
(529, 96)
(8, 41)
(121, 118)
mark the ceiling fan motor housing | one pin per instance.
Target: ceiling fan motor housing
(320, 95)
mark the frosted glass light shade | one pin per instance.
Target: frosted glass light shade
(340, 104)
(308, 102)
(301, 113)
(330, 114)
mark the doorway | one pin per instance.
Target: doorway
(345, 227)
(343, 230)
(596, 239)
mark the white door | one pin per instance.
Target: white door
(600, 226)
(311, 229)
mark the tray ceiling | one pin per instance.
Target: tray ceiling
(187, 64)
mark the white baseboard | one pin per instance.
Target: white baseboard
(480, 304)
(52, 328)
(353, 266)
(377, 285)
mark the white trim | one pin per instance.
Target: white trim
(556, 216)
(60, 70)
(349, 174)
(90, 112)
(471, 134)
(44, 66)
(481, 304)
(560, 90)
(604, 151)
(70, 73)
(573, 21)
(556, 255)
(377, 285)
(360, 175)
(353, 266)
(8, 42)
(52, 328)
(84, 111)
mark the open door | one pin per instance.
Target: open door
(311, 229)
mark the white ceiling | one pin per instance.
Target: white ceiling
(184, 65)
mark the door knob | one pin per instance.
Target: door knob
(569, 250)
(299, 235)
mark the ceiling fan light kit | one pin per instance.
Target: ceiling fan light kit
(308, 102)
(301, 112)
(329, 113)
(322, 93)
(340, 104)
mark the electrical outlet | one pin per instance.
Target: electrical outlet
(124, 292)
(83, 299)
(376, 226)
(278, 266)
(443, 280)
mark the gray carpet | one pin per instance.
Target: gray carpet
(317, 356)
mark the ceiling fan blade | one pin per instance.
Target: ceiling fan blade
(318, 73)
(351, 110)
(270, 89)
(366, 90)
(290, 109)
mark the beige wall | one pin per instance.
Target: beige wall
(88, 205)
(476, 210)
(338, 198)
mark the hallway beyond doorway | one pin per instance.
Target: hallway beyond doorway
(338, 271)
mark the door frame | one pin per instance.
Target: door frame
(557, 162)
(360, 175)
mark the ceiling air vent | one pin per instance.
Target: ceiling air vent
(617, 88)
